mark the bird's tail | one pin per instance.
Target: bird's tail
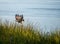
(23, 20)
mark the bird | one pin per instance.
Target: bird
(19, 18)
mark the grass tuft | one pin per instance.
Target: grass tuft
(11, 33)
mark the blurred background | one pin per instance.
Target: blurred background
(44, 14)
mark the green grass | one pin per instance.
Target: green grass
(11, 33)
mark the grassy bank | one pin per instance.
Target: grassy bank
(11, 33)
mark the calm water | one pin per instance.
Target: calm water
(44, 18)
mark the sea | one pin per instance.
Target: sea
(47, 19)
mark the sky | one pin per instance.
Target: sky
(16, 4)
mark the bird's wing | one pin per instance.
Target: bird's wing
(21, 16)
